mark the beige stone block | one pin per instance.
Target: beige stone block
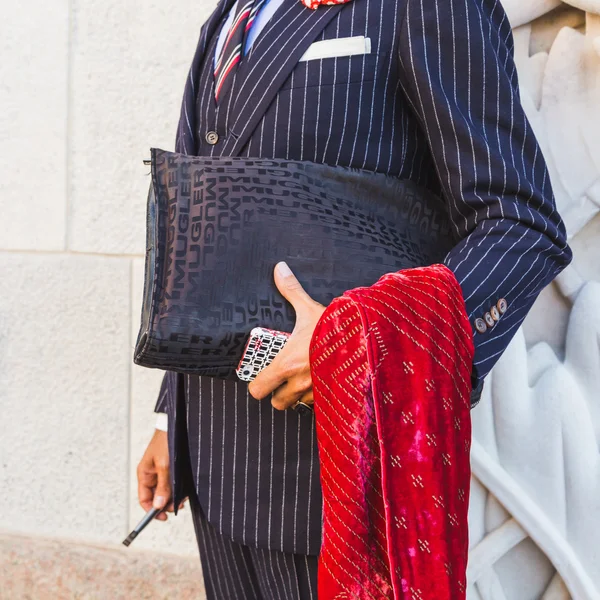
(585, 250)
(548, 319)
(129, 64)
(40, 569)
(33, 124)
(546, 28)
(520, 12)
(177, 533)
(64, 394)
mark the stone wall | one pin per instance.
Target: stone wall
(87, 88)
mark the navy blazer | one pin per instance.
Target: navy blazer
(435, 101)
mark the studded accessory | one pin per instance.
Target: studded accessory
(393, 427)
(262, 347)
(314, 4)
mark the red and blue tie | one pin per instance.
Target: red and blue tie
(233, 48)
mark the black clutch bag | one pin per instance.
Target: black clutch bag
(216, 227)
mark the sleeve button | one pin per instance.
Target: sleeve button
(495, 313)
(489, 320)
(502, 305)
(480, 325)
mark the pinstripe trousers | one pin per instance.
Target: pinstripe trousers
(233, 571)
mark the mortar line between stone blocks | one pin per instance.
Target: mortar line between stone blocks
(68, 253)
(68, 124)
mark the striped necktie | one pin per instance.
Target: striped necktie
(233, 49)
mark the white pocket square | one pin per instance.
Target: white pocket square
(339, 47)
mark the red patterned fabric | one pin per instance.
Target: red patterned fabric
(316, 3)
(391, 368)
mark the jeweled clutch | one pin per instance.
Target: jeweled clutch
(216, 227)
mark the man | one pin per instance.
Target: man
(418, 89)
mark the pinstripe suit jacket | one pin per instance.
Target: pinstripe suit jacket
(436, 101)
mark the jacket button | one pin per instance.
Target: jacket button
(489, 320)
(480, 325)
(212, 137)
(495, 313)
(502, 305)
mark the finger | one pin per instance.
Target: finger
(146, 485)
(161, 517)
(308, 398)
(170, 507)
(291, 289)
(162, 493)
(272, 376)
(288, 394)
(284, 397)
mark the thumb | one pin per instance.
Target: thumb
(162, 493)
(291, 289)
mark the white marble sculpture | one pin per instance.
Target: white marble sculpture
(535, 500)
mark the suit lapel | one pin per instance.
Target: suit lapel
(273, 57)
(186, 131)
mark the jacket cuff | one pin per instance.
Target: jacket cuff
(477, 390)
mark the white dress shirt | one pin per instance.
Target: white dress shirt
(263, 17)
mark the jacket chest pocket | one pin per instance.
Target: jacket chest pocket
(336, 70)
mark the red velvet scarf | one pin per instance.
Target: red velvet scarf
(391, 368)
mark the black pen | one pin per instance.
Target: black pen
(149, 516)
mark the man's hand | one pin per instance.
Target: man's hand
(154, 482)
(288, 376)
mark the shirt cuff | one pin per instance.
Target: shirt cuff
(162, 421)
